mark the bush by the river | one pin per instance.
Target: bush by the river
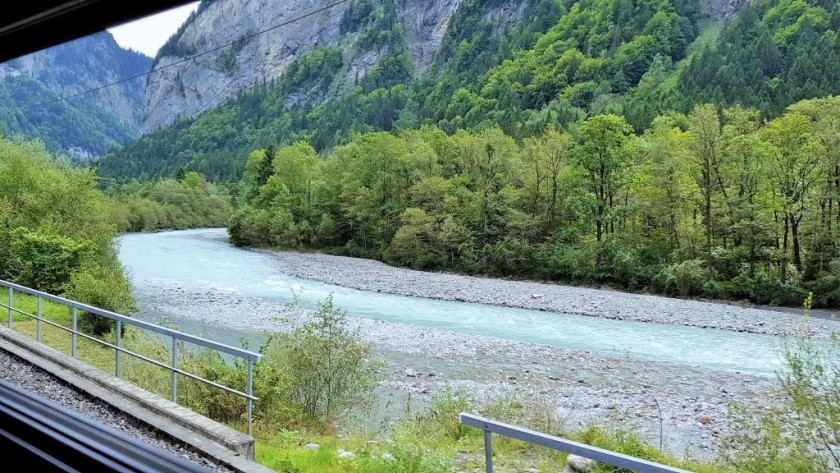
(55, 231)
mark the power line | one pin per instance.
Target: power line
(189, 58)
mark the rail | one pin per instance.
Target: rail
(490, 427)
(174, 335)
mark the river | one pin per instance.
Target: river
(203, 260)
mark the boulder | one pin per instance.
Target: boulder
(578, 464)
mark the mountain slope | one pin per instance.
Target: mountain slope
(31, 88)
(519, 65)
(207, 81)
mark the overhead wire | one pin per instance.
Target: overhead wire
(240, 40)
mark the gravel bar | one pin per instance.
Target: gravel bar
(24, 375)
(685, 407)
(371, 275)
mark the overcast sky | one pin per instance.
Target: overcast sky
(147, 35)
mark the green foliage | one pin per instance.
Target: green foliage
(43, 262)
(444, 411)
(326, 367)
(715, 204)
(685, 279)
(55, 231)
(190, 202)
(771, 55)
(100, 286)
(557, 64)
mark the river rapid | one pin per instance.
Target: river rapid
(589, 355)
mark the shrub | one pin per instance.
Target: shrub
(444, 411)
(103, 286)
(44, 261)
(767, 289)
(326, 366)
(686, 278)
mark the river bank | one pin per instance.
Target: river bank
(576, 386)
(371, 275)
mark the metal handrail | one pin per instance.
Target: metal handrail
(175, 335)
(490, 426)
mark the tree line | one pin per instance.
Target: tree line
(715, 203)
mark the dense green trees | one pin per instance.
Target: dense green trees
(55, 231)
(187, 202)
(714, 203)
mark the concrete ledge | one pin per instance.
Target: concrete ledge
(214, 440)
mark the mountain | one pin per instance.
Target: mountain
(31, 88)
(362, 30)
(521, 65)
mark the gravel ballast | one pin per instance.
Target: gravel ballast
(24, 375)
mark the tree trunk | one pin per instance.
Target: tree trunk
(794, 232)
(708, 217)
(553, 208)
(783, 259)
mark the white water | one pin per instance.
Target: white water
(201, 259)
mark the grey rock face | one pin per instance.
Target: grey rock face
(722, 8)
(205, 82)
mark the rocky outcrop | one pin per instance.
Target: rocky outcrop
(208, 80)
(205, 82)
(722, 8)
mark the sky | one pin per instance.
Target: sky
(148, 34)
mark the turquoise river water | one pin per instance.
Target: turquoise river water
(203, 260)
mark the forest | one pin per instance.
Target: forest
(714, 203)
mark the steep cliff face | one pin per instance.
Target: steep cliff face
(722, 8)
(31, 88)
(204, 82)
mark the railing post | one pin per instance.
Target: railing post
(118, 363)
(11, 304)
(250, 402)
(174, 367)
(488, 451)
(73, 333)
(40, 314)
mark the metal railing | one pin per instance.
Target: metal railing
(174, 335)
(490, 426)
